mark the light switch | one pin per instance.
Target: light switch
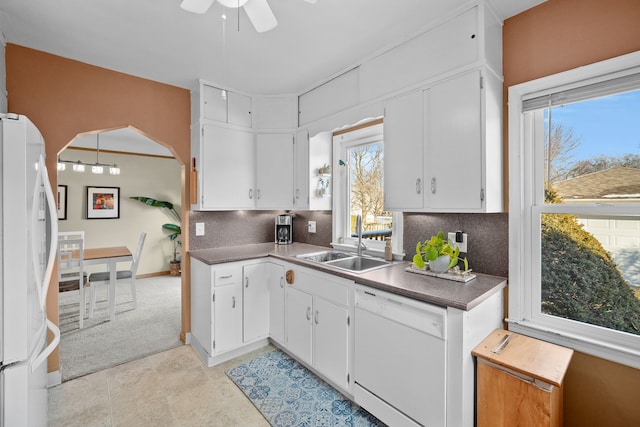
(199, 228)
(312, 227)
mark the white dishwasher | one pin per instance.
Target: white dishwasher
(400, 358)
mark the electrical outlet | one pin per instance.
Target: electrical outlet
(199, 228)
(312, 226)
(462, 245)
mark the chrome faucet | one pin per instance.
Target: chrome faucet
(359, 231)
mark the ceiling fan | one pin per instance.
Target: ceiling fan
(258, 11)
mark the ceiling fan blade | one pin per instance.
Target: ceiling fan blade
(196, 6)
(260, 15)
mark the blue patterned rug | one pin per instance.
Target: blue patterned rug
(288, 394)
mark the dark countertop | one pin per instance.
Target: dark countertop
(394, 279)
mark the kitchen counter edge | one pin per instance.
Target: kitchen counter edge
(393, 279)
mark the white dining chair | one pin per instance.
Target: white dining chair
(102, 277)
(71, 274)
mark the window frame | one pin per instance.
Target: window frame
(526, 204)
(363, 134)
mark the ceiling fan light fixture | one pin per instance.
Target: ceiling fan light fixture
(196, 6)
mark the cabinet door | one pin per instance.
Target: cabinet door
(214, 104)
(274, 188)
(331, 338)
(255, 301)
(276, 303)
(227, 319)
(301, 190)
(227, 168)
(201, 304)
(403, 152)
(454, 143)
(299, 324)
(238, 109)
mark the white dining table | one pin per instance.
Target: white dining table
(110, 256)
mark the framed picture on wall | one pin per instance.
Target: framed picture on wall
(103, 202)
(62, 202)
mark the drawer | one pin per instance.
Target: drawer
(226, 275)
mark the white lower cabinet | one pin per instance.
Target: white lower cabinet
(318, 323)
(255, 293)
(229, 310)
(276, 303)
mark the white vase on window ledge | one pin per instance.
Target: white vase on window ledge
(440, 265)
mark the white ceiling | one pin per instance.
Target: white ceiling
(157, 40)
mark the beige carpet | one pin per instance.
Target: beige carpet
(154, 326)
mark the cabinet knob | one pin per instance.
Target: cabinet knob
(291, 277)
(233, 302)
(297, 193)
(258, 194)
(308, 313)
(251, 193)
(246, 282)
(282, 281)
(433, 185)
(418, 186)
(315, 317)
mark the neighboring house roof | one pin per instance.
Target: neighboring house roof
(614, 183)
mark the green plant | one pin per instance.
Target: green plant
(175, 229)
(431, 249)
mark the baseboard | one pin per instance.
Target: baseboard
(217, 359)
(54, 378)
(156, 274)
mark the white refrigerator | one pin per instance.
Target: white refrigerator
(29, 242)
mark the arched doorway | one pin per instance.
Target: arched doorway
(146, 168)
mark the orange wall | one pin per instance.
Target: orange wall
(65, 97)
(557, 36)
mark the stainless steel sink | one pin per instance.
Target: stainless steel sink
(345, 261)
(325, 256)
(358, 264)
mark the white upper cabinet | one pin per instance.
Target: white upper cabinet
(403, 152)
(449, 136)
(274, 170)
(453, 141)
(445, 47)
(227, 171)
(275, 112)
(335, 95)
(224, 106)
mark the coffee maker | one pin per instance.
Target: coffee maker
(284, 229)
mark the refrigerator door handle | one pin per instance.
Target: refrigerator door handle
(49, 349)
(42, 178)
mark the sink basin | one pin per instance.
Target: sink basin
(345, 261)
(325, 256)
(358, 264)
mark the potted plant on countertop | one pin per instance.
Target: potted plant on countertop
(176, 230)
(441, 254)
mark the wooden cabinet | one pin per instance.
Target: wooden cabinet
(519, 381)
(443, 146)
(274, 171)
(318, 323)
(227, 171)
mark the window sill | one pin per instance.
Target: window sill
(594, 347)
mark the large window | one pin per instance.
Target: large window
(359, 187)
(575, 209)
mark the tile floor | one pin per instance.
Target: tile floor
(172, 388)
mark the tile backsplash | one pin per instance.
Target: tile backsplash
(488, 234)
